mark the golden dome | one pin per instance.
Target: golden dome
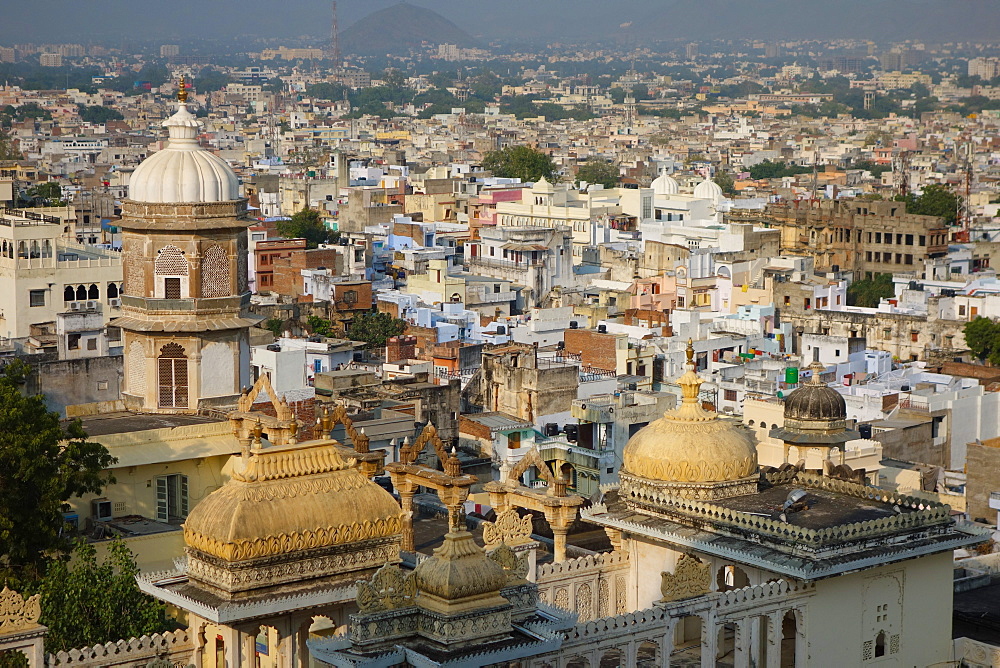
(690, 444)
(291, 499)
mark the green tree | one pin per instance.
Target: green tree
(7, 150)
(375, 328)
(519, 162)
(600, 171)
(935, 200)
(98, 114)
(725, 181)
(275, 325)
(43, 464)
(982, 335)
(92, 603)
(48, 193)
(318, 325)
(307, 224)
(775, 170)
(869, 292)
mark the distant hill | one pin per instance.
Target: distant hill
(399, 28)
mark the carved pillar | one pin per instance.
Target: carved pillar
(742, 644)
(709, 640)
(801, 646)
(629, 654)
(231, 638)
(301, 654)
(773, 644)
(406, 501)
(754, 641)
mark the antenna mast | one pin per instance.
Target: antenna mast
(335, 38)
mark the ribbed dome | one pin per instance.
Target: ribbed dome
(665, 185)
(183, 172)
(690, 444)
(291, 499)
(815, 400)
(709, 189)
(815, 414)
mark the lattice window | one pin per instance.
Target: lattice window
(562, 598)
(215, 273)
(241, 265)
(134, 278)
(172, 372)
(868, 650)
(170, 261)
(894, 643)
(136, 369)
(603, 599)
(621, 605)
(585, 602)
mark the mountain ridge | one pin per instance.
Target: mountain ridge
(399, 28)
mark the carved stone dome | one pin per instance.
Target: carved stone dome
(183, 172)
(690, 447)
(460, 576)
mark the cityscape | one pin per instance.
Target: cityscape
(533, 335)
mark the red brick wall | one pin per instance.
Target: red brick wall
(595, 349)
(400, 348)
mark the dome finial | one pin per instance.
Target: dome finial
(182, 93)
(690, 351)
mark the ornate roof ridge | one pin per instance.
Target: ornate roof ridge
(281, 464)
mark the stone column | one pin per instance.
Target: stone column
(801, 646)
(630, 653)
(709, 640)
(231, 637)
(559, 543)
(753, 641)
(406, 501)
(774, 639)
(742, 644)
(249, 649)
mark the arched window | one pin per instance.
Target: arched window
(81, 293)
(69, 294)
(172, 377)
(112, 290)
(880, 644)
(47, 249)
(171, 267)
(34, 249)
(22, 249)
(94, 292)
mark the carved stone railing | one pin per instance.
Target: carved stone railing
(914, 512)
(760, 595)
(175, 647)
(592, 586)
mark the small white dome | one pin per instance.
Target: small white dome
(709, 189)
(664, 184)
(183, 171)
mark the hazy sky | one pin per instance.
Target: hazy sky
(88, 20)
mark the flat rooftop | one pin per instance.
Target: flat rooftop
(125, 422)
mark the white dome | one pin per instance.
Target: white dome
(709, 189)
(664, 184)
(183, 171)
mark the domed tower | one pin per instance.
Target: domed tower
(815, 417)
(185, 304)
(690, 452)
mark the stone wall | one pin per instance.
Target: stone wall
(173, 647)
(983, 476)
(592, 586)
(79, 381)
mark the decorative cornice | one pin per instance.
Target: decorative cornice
(18, 613)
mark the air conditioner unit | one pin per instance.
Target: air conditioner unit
(74, 306)
(92, 305)
(101, 510)
(115, 303)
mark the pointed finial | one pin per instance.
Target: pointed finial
(182, 92)
(690, 351)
